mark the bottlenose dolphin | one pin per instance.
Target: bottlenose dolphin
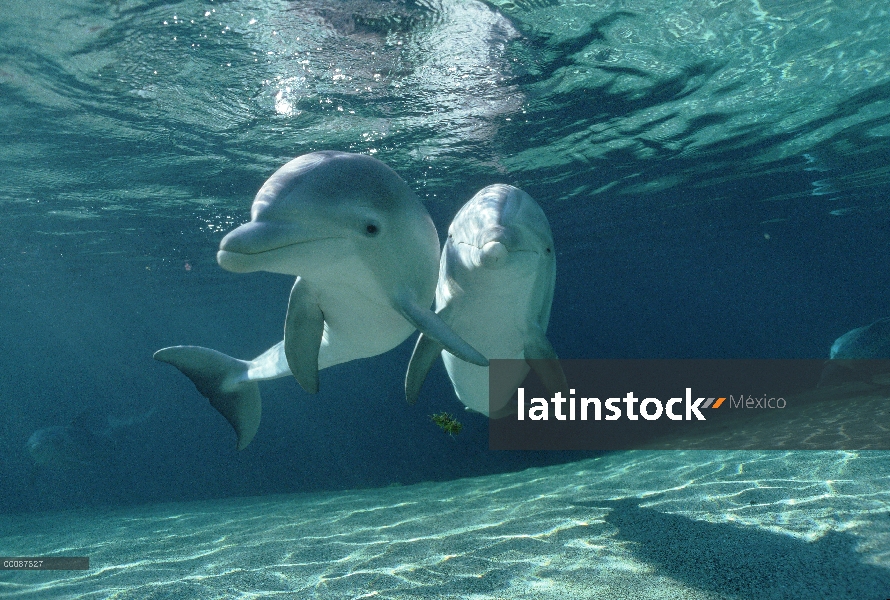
(861, 354)
(870, 341)
(495, 290)
(59, 447)
(364, 250)
(79, 444)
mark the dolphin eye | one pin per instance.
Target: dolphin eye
(372, 229)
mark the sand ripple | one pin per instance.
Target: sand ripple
(625, 525)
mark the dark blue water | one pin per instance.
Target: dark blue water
(715, 174)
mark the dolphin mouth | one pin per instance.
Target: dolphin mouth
(494, 253)
(257, 237)
(248, 262)
(236, 262)
(274, 249)
(242, 249)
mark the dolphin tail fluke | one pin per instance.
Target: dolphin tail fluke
(222, 380)
(426, 351)
(432, 325)
(542, 359)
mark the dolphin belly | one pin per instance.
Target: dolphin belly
(495, 320)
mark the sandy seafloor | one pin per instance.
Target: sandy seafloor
(657, 524)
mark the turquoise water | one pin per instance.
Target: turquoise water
(716, 178)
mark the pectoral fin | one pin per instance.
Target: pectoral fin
(303, 328)
(426, 351)
(542, 359)
(430, 324)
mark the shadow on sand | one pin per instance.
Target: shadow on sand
(740, 562)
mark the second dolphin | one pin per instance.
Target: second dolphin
(495, 290)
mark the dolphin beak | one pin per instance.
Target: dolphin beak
(261, 236)
(494, 249)
(493, 255)
(238, 248)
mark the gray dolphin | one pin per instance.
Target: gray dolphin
(59, 447)
(861, 354)
(77, 444)
(364, 250)
(870, 341)
(495, 290)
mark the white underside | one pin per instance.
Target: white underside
(338, 345)
(360, 321)
(494, 310)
